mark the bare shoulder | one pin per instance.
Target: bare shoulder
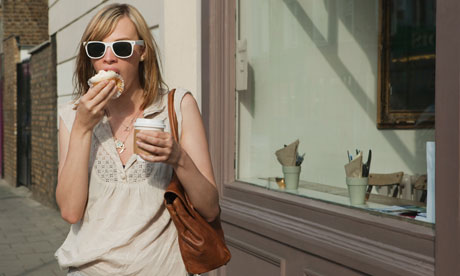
(189, 102)
(192, 123)
(190, 110)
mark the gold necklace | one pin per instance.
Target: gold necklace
(120, 145)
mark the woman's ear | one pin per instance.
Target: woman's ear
(143, 54)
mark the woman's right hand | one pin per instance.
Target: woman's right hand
(90, 109)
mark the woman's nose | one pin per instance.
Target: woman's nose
(109, 56)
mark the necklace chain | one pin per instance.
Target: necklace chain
(127, 128)
(119, 144)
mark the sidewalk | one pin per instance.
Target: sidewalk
(30, 233)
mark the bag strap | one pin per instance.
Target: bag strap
(172, 115)
(175, 186)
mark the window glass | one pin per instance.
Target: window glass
(308, 70)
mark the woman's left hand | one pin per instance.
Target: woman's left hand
(160, 147)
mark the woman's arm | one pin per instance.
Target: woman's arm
(72, 188)
(194, 167)
(190, 159)
(74, 152)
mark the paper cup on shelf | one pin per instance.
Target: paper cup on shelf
(291, 177)
(357, 187)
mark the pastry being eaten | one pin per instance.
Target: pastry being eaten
(108, 75)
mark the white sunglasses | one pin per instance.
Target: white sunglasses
(121, 48)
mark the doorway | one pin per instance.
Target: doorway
(24, 127)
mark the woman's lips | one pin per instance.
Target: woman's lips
(112, 69)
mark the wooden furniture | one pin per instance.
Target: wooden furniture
(381, 179)
(420, 184)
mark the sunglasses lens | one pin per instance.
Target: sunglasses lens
(122, 49)
(95, 49)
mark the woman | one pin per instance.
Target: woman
(113, 201)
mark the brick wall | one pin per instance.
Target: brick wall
(43, 93)
(11, 58)
(27, 19)
(24, 24)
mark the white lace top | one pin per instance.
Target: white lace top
(125, 230)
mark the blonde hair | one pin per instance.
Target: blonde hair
(102, 25)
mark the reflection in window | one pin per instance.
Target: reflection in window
(408, 64)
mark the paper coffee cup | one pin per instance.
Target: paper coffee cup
(146, 124)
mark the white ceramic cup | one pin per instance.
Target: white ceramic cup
(291, 177)
(357, 187)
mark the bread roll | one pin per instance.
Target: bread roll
(108, 75)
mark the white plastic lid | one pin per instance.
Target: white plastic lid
(149, 123)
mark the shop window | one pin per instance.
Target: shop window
(407, 55)
(311, 70)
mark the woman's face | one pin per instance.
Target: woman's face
(128, 68)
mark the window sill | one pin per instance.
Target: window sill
(332, 231)
(376, 205)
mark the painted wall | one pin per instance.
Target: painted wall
(182, 45)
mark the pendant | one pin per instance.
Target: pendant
(119, 145)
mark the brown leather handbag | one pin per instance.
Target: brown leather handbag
(202, 244)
